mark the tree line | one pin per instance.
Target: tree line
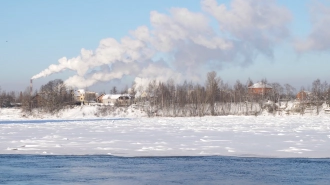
(214, 97)
(51, 98)
(218, 98)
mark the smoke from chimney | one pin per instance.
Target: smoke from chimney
(182, 44)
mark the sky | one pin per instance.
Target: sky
(101, 44)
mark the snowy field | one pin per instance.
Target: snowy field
(262, 136)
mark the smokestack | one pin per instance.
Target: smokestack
(31, 86)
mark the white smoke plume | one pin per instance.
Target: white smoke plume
(319, 38)
(186, 41)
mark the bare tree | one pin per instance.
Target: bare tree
(90, 97)
(53, 96)
(199, 100)
(114, 90)
(317, 95)
(264, 81)
(26, 101)
(171, 96)
(124, 90)
(132, 90)
(276, 92)
(240, 91)
(212, 89)
(324, 89)
(327, 99)
(249, 82)
(7, 99)
(289, 91)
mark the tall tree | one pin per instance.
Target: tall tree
(289, 91)
(53, 96)
(114, 90)
(316, 90)
(276, 92)
(212, 89)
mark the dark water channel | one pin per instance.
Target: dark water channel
(93, 169)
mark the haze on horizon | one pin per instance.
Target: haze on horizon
(105, 44)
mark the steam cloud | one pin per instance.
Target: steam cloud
(319, 38)
(183, 44)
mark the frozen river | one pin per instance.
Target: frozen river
(264, 136)
(207, 150)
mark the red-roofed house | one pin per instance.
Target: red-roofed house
(260, 88)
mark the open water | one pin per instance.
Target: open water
(95, 169)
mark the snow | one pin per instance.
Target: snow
(78, 112)
(111, 96)
(80, 131)
(260, 85)
(79, 92)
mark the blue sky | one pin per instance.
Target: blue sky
(35, 34)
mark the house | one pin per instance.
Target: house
(144, 95)
(304, 95)
(99, 98)
(78, 96)
(260, 88)
(90, 97)
(116, 99)
(82, 96)
(109, 99)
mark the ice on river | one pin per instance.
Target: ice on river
(262, 136)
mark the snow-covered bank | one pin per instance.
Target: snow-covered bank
(292, 108)
(78, 112)
(263, 136)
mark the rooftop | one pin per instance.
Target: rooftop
(260, 85)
